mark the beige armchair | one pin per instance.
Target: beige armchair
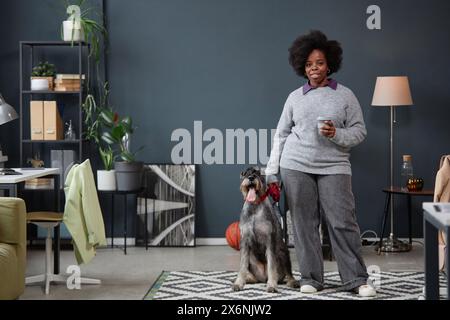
(13, 247)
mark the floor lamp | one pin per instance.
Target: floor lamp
(392, 92)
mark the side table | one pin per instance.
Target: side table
(125, 195)
(409, 194)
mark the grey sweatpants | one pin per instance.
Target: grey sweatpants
(334, 194)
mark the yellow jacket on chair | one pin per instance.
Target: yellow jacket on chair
(82, 214)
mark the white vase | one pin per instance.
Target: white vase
(39, 84)
(72, 29)
(106, 180)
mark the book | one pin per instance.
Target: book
(68, 76)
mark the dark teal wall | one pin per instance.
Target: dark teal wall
(225, 63)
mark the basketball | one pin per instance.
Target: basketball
(233, 235)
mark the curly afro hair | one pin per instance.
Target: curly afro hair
(303, 46)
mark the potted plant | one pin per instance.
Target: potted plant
(128, 171)
(106, 179)
(78, 27)
(42, 76)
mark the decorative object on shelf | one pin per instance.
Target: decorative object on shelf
(392, 92)
(415, 184)
(406, 171)
(42, 76)
(129, 171)
(78, 27)
(70, 132)
(36, 162)
(233, 235)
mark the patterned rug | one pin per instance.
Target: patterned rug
(216, 285)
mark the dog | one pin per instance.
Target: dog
(264, 254)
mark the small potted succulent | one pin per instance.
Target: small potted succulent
(42, 76)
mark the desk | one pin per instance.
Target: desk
(125, 194)
(10, 183)
(409, 194)
(432, 222)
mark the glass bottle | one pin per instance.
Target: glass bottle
(406, 172)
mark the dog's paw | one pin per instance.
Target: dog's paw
(237, 287)
(293, 284)
(272, 289)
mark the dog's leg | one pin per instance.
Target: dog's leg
(243, 269)
(272, 272)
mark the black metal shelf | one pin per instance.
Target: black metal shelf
(27, 57)
(52, 141)
(55, 43)
(49, 92)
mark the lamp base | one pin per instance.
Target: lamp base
(392, 244)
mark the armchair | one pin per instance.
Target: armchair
(12, 247)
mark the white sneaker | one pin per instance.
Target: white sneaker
(306, 288)
(366, 291)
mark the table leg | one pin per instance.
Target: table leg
(57, 233)
(383, 227)
(125, 225)
(409, 219)
(112, 220)
(146, 225)
(12, 190)
(431, 261)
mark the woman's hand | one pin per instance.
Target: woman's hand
(328, 129)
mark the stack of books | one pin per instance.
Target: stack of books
(68, 82)
(40, 183)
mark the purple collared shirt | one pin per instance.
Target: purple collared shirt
(331, 83)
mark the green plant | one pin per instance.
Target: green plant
(119, 134)
(44, 69)
(94, 126)
(93, 30)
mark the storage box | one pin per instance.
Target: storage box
(53, 126)
(37, 120)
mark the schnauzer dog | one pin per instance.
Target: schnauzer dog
(264, 254)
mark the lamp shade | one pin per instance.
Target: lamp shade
(7, 113)
(392, 91)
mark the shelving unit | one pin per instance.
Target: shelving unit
(30, 53)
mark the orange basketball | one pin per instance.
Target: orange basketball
(233, 235)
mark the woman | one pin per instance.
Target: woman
(314, 164)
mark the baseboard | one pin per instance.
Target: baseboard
(211, 242)
(371, 241)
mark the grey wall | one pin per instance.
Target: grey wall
(225, 63)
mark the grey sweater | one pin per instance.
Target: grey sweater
(297, 143)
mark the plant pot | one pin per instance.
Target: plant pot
(41, 83)
(106, 180)
(129, 175)
(72, 31)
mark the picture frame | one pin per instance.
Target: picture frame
(166, 209)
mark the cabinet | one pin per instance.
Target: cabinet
(72, 58)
